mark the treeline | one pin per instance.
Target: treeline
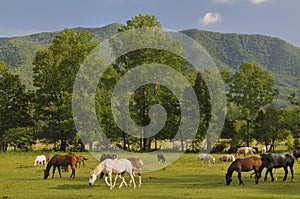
(46, 112)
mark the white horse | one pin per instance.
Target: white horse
(116, 166)
(206, 157)
(40, 160)
(226, 158)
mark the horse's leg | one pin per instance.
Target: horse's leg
(110, 180)
(271, 174)
(285, 173)
(132, 178)
(257, 175)
(292, 172)
(266, 175)
(106, 181)
(73, 171)
(240, 177)
(53, 171)
(140, 179)
(115, 181)
(59, 171)
(123, 181)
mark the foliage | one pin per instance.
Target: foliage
(250, 89)
(55, 72)
(14, 104)
(20, 137)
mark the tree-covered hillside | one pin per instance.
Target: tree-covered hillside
(276, 55)
(228, 51)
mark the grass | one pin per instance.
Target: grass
(184, 178)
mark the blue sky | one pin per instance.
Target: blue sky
(278, 18)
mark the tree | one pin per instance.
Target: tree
(270, 126)
(250, 88)
(14, 103)
(20, 137)
(55, 71)
(149, 28)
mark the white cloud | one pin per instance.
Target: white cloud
(210, 18)
(258, 1)
(223, 1)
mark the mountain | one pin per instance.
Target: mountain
(227, 50)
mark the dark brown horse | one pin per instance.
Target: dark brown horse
(61, 160)
(246, 164)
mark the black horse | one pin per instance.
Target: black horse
(270, 161)
(296, 154)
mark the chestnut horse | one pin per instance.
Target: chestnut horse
(246, 164)
(61, 160)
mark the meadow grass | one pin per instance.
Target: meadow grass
(184, 178)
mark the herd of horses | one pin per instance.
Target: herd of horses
(111, 165)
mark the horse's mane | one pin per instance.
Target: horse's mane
(98, 169)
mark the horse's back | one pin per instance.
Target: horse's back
(249, 163)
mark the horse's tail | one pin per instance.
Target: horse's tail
(84, 158)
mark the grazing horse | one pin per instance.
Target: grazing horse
(40, 160)
(161, 158)
(226, 158)
(80, 159)
(296, 153)
(246, 164)
(206, 157)
(271, 161)
(61, 160)
(116, 166)
(107, 156)
(245, 150)
(137, 165)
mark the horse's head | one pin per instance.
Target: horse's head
(46, 174)
(228, 179)
(92, 179)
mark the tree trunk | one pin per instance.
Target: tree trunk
(124, 140)
(63, 144)
(91, 146)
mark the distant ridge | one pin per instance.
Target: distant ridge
(227, 49)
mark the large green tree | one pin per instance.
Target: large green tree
(250, 88)
(14, 104)
(55, 70)
(147, 95)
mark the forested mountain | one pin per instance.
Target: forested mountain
(228, 51)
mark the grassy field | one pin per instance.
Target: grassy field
(184, 178)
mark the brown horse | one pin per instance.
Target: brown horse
(61, 160)
(246, 164)
(80, 159)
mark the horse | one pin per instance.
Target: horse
(80, 159)
(264, 150)
(40, 160)
(226, 158)
(245, 150)
(296, 153)
(137, 165)
(246, 164)
(116, 166)
(107, 156)
(61, 160)
(270, 161)
(161, 158)
(206, 157)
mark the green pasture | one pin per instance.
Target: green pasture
(184, 178)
